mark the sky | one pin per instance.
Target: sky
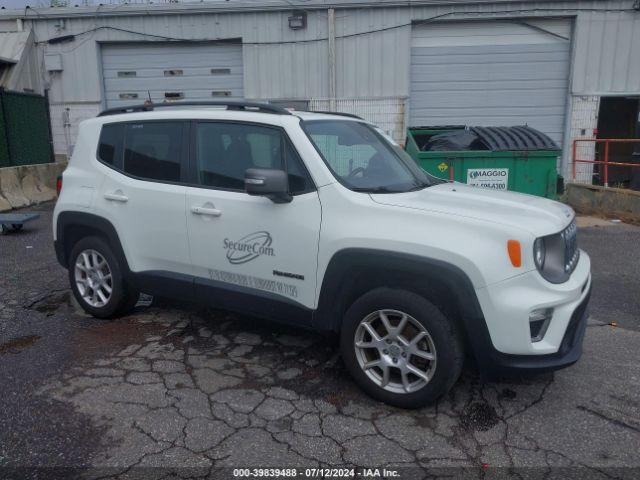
(16, 3)
(23, 3)
(19, 4)
(10, 4)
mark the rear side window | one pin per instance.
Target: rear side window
(110, 146)
(153, 150)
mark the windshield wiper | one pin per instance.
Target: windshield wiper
(373, 190)
(419, 187)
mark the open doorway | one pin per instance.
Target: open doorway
(619, 118)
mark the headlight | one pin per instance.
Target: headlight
(556, 256)
(539, 253)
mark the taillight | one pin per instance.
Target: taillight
(58, 185)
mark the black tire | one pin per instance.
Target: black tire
(17, 226)
(123, 297)
(447, 341)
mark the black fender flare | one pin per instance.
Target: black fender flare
(393, 267)
(69, 220)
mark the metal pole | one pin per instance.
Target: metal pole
(606, 163)
(331, 31)
(7, 128)
(573, 165)
(49, 129)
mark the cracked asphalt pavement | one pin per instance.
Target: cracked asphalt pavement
(175, 391)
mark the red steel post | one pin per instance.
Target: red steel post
(606, 163)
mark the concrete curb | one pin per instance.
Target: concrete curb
(590, 199)
(28, 184)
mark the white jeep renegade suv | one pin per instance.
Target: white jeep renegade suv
(322, 221)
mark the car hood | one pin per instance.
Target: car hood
(537, 215)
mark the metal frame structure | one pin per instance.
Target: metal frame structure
(605, 162)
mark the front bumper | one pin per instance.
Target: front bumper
(491, 361)
(503, 342)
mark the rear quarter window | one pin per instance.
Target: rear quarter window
(110, 145)
(153, 150)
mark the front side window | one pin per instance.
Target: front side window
(363, 159)
(224, 151)
(153, 150)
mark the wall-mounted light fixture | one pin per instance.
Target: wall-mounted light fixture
(298, 20)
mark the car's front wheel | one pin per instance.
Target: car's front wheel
(400, 348)
(96, 279)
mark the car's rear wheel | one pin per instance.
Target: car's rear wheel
(400, 348)
(96, 279)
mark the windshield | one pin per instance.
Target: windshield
(364, 158)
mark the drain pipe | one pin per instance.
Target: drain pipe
(331, 31)
(66, 126)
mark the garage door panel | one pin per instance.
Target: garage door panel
(495, 69)
(160, 72)
(433, 56)
(191, 95)
(195, 71)
(420, 59)
(186, 72)
(494, 112)
(443, 73)
(552, 120)
(476, 86)
(489, 99)
(483, 83)
(161, 62)
(488, 61)
(556, 46)
(509, 52)
(174, 82)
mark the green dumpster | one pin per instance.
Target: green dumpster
(520, 159)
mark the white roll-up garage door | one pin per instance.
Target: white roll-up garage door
(171, 72)
(491, 74)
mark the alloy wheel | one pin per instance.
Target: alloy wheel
(93, 278)
(395, 351)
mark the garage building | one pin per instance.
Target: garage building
(556, 66)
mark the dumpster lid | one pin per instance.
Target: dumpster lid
(439, 127)
(502, 139)
(454, 141)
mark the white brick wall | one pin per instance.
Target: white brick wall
(67, 135)
(584, 120)
(386, 113)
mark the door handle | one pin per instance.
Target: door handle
(116, 197)
(212, 212)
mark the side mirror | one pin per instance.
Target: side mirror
(267, 182)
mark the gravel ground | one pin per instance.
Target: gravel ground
(175, 390)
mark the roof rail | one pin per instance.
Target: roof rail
(231, 105)
(342, 114)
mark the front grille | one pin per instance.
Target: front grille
(571, 251)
